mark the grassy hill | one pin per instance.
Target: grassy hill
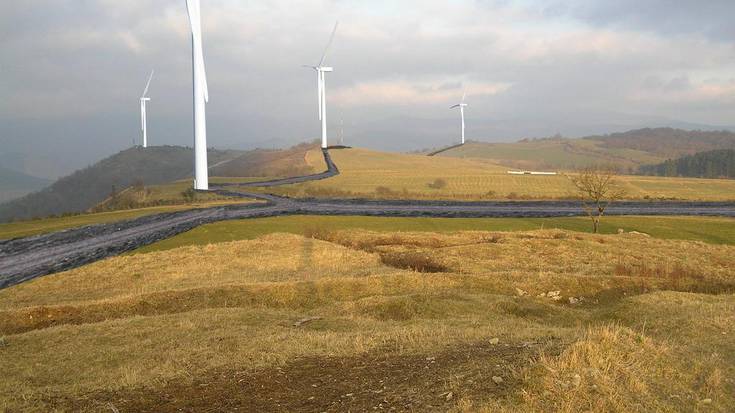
(14, 184)
(544, 320)
(371, 174)
(87, 187)
(626, 150)
(269, 163)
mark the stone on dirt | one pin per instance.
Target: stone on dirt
(305, 320)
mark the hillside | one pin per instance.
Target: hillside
(87, 187)
(668, 142)
(711, 164)
(14, 184)
(627, 151)
(268, 163)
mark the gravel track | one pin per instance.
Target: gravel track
(23, 259)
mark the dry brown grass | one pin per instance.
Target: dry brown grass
(414, 261)
(634, 335)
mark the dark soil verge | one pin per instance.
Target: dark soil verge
(368, 382)
(413, 260)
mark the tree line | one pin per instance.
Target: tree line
(711, 164)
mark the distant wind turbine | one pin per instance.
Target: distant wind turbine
(143, 100)
(201, 96)
(461, 107)
(321, 86)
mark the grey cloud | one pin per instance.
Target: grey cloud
(712, 18)
(73, 69)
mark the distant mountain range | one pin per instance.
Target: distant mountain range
(14, 184)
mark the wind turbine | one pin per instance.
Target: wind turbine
(321, 87)
(461, 107)
(143, 100)
(201, 96)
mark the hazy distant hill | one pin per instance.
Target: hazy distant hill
(668, 142)
(87, 187)
(627, 150)
(14, 184)
(711, 164)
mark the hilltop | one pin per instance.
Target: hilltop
(87, 187)
(627, 151)
(14, 184)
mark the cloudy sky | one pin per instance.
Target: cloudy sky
(73, 70)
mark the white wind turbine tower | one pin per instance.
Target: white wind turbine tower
(461, 107)
(143, 100)
(321, 87)
(201, 96)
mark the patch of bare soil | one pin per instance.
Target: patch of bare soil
(373, 381)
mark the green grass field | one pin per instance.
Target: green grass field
(46, 225)
(711, 230)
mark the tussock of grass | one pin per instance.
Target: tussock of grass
(610, 368)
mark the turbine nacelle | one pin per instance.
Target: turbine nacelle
(143, 99)
(461, 105)
(320, 68)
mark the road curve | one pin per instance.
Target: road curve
(23, 259)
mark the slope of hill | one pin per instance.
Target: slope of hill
(269, 162)
(14, 184)
(668, 142)
(627, 151)
(711, 164)
(89, 186)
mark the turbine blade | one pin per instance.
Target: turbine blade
(331, 38)
(148, 84)
(464, 94)
(455, 106)
(194, 9)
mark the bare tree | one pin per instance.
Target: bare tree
(598, 189)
